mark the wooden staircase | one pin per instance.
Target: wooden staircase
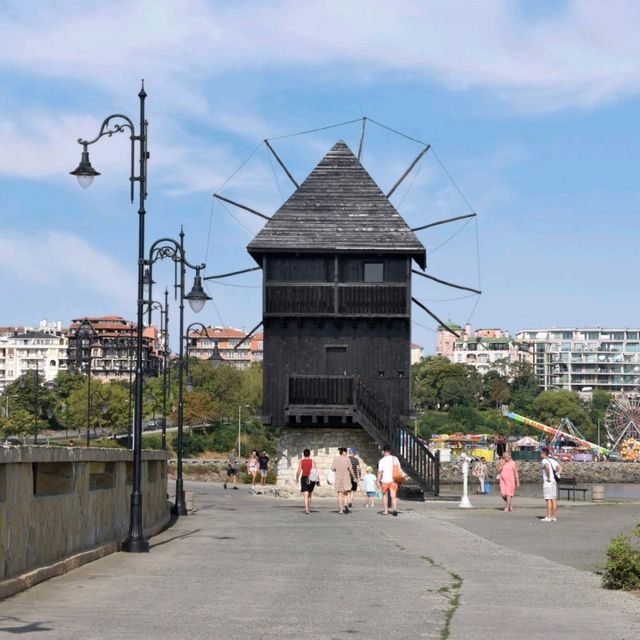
(375, 417)
(349, 398)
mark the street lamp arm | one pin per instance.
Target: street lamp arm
(196, 324)
(170, 248)
(106, 130)
(165, 248)
(154, 304)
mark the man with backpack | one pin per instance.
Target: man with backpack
(550, 473)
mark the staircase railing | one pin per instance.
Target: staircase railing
(377, 418)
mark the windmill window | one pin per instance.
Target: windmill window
(374, 272)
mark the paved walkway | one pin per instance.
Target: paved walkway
(254, 567)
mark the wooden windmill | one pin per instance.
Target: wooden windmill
(337, 261)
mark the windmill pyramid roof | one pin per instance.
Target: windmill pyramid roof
(338, 208)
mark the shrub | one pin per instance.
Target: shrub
(192, 443)
(152, 441)
(622, 570)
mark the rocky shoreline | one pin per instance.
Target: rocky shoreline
(530, 471)
(450, 474)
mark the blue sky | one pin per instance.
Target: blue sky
(532, 108)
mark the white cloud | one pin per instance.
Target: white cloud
(65, 262)
(582, 56)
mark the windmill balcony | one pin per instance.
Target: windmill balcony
(320, 399)
(336, 299)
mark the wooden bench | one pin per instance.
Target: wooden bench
(568, 484)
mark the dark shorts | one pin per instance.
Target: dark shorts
(354, 485)
(231, 472)
(306, 484)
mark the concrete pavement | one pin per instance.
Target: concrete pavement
(246, 566)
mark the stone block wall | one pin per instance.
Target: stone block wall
(323, 443)
(56, 501)
(531, 472)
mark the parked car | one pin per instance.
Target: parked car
(154, 423)
(12, 441)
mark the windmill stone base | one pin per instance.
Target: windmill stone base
(323, 443)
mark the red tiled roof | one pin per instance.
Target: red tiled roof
(218, 332)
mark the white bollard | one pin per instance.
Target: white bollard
(465, 503)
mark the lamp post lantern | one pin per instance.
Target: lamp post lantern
(118, 123)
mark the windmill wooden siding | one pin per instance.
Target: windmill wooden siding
(336, 261)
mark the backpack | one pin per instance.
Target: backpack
(553, 466)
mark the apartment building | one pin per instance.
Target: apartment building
(585, 359)
(416, 353)
(108, 344)
(26, 349)
(232, 346)
(484, 349)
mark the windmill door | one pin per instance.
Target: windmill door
(336, 360)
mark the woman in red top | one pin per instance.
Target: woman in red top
(303, 472)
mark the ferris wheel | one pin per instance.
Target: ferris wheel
(622, 419)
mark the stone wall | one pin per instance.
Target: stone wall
(323, 443)
(56, 501)
(584, 472)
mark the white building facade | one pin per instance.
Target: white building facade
(585, 359)
(484, 349)
(26, 350)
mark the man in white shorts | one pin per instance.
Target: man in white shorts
(386, 482)
(549, 484)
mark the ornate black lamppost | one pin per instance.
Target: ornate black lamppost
(36, 411)
(84, 339)
(174, 250)
(164, 332)
(118, 123)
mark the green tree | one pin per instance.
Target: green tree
(600, 400)
(19, 423)
(68, 381)
(552, 406)
(437, 382)
(524, 388)
(29, 394)
(496, 390)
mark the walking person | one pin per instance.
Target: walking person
(232, 469)
(341, 466)
(480, 471)
(252, 468)
(370, 488)
(357, 475)
(550, 470)
(509, 479)
(308, 475)
(386, 481)
(263, 466)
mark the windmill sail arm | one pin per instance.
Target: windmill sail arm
(435, 317)
(448, 284)
(248, 335)
(435, 224)
(231, 273)
(284, 168)
(240, 206)
(408, 171)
